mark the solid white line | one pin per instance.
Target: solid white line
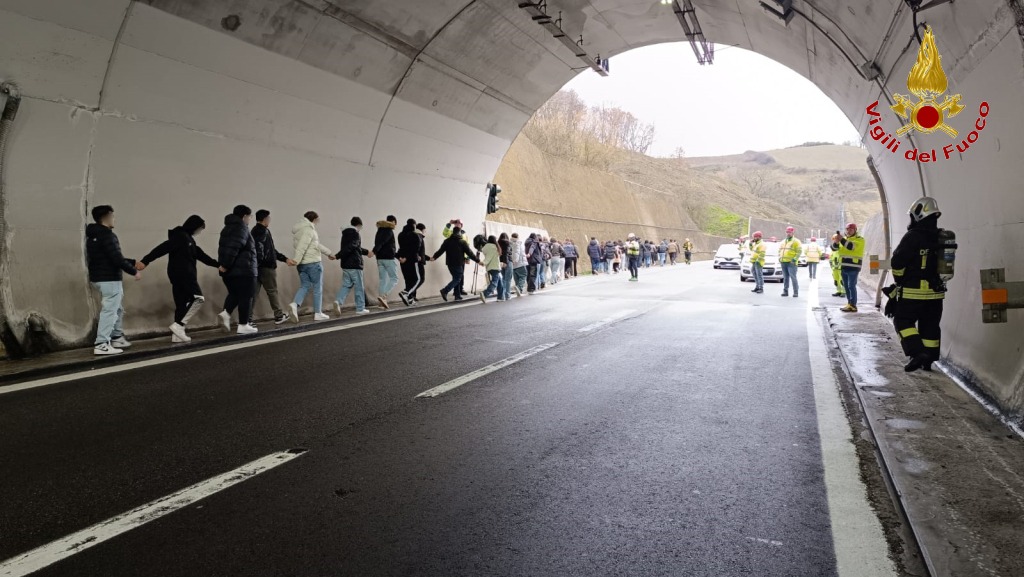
(51, 553)
(87, 374)
(860, 546)
(454, 383)
(607, 320)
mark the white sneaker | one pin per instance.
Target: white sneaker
(294, 309)
(483, 299)
(105, 349)
(321, 317)
(178, 334)
(363, 312)
(120, 343)
(247, 330)
(337, 308)
(225, 320)
(519, 291)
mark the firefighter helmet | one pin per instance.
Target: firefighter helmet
(923, 208)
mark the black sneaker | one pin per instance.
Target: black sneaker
(405, 298)
(281, 319)
(785, 294)
(444, 295)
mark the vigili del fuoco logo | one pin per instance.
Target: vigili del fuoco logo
(928, 83)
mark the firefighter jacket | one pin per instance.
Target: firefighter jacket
(790, 250)
(851, 251)
(757, 252)
(915, 262)
(813, 252)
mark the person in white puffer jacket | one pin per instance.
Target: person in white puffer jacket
(517, 256)
(308, 255)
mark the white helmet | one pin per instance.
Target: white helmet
(631, 236)
(923, 208)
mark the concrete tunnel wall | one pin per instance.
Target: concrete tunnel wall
(372, 107)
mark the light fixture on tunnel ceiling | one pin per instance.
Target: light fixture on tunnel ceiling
(687, 15)
(539, 12)
(784, 12)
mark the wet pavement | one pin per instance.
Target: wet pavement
(666, 427)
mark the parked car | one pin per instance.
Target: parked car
(772, 270)
(728, 256)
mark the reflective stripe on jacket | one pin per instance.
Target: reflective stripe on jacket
(813, 253)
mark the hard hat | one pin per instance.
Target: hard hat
(631, 235)
(758, 234)
(923, 208)
(852, 225)
(790, 230)
(814, 239)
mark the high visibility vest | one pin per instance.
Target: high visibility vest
(813, 253)
(851, 251)
(757, 252)
(633, 248)
(790, 250)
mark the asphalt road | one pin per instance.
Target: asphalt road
(671, 430)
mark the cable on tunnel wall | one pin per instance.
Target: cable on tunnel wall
(7, 337)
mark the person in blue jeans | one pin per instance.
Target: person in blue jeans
(456, 252)
(351, 257)
(386, 250)
(106, 269)
(308, 251)
(493, 265)
(505, 246)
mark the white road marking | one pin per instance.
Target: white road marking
(454, 383)
(51, 553)
(87, 374)
(860, 546)
(607, 320)
(812, 294)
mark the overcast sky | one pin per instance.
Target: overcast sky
(711, 110)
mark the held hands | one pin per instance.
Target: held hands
(291, 262)
(140, 266)
(402, 260)
(331, 257)
(371, 255)
(222, 269)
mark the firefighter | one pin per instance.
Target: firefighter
(851, 257)
(757, 253)
(837, 270)
(919, 288)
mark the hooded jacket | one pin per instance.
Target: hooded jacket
(410, 244)
(517, 254)
(534, 253)
(610, 251)
(306, 242)
(569, 249)
(352, 251)
(594, 250)
(236, 251)
(384, 243)
(266, 253)
(492, 257)
(103, 252)
(456, 252)
(506, 248)
(423, 248)
(182, 252)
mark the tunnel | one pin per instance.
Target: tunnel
(164, 108)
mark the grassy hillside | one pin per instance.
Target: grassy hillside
(706, 199)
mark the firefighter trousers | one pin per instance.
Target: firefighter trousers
(917, 323)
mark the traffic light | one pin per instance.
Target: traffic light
(492, 198)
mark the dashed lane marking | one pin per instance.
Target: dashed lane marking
(607, 320)
(51, 553)
(455, 383)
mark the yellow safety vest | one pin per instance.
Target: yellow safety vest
(813, 253)
(757, 252)
(790, 250)
(851, 251)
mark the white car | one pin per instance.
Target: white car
(772, 270)
(728, 256)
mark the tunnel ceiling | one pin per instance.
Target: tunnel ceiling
(494, 47)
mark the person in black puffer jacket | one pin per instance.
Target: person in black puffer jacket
(410, 245)
(238, 262)
(267, 257)
(456, 252)
(351, 258)
(182, 254)
(106, 267)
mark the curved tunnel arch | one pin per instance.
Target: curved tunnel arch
(378, 106)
